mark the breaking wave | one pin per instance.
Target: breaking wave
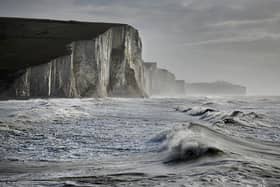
(194, 141)
(183, 143)
(196, 111)
(236, 117)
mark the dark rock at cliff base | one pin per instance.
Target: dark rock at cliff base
(46, 58)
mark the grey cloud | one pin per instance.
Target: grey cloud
(246, 38)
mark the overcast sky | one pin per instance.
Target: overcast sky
(198, 40)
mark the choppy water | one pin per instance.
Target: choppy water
(210, 141)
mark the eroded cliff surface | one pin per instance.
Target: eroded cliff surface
(127, 73)
(161, 82)
(109, 64)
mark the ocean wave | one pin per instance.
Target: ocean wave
(183, 144)
(194, 141)
(236, 117)
(190, 150)
(195, 111)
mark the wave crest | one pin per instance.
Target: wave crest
(187, 150)
(196, 111)
(184, 143)
(194, 141)
(236, 117)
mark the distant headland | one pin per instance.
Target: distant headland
(215, 88)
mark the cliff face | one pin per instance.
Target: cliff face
(91, 66)
(164, 83)
(109, 64)
(161, 82)
(127, 74)
(150, 69)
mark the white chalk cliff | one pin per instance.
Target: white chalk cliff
(107, 65)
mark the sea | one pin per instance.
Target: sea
(193, 141)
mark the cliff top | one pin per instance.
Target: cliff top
(25, 42)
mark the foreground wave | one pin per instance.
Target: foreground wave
(194, 141)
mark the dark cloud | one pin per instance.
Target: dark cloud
(199, 40)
